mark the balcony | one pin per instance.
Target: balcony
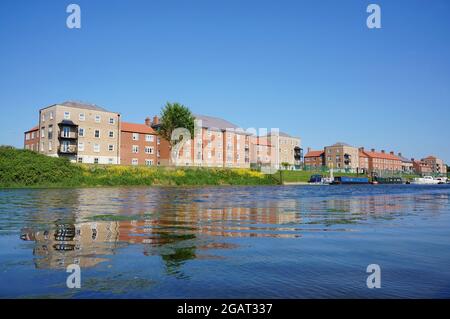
(69, 135)
(68, 149)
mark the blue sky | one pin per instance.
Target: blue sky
(311, 68)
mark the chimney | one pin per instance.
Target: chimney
(400, 154)
(147, 121)
(412, 159)
(383, 151)
(361, 149)
(155, 120)
(309, 149)
(392, 153)
(373, 150)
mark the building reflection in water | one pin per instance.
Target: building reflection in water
(184, 224)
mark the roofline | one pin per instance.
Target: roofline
(58, 104)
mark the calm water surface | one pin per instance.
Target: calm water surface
(226, 242)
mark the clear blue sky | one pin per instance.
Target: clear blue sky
(311, 68)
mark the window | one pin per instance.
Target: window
(219, 155)
(82, 117)
(81, 146)
(50, 146)
(209, 154)
(112, 120)
(97, 148)
(148, 162)
(149, 138)
(33, 135)
(27, 136)
(43, 117)
(111, 134)
(110, 160)
(51, 115)
(67, 115)
(134, 161)
(98, 119)
(96, 160)
(159, 153)
(97, 134)
(159, 141)
(148, 150)
(135, 149)
(50, 132)
(135, 136)
(81, 132)
(111, 147)
(43, 132)
(80, 160)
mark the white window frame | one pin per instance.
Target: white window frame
(135, 137)
(99, 134)
(149, 138)
(98, 119)
(67, 115)
(81, 146)
(82, 117)
(81, 129)
(135, 149)
(111, 135)
(112, 121)
(96, 148)
(134, 162)
(111, 147)
(149, 150)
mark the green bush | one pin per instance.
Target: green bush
(23, 168)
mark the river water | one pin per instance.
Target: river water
(226, 242)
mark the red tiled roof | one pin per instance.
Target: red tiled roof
(136, 128)
(387, 156)
(314, 153)
(36, 128)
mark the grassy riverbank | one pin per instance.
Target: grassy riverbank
(22, 168)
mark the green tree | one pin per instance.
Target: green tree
(173, 116)
(285, 165)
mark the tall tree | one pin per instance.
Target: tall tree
(173, 116)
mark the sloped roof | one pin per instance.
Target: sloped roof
(404, 159)
(136, 128)
(82, 105)
(381, 155)
(35, 128)
(314, 153)
(215, 122)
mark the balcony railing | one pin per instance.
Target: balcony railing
(68, 135)
(68, 149)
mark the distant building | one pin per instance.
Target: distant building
(314, 159)
(421, 167)
(407, 164)
(373, 161)
(216, 143)
(288, 149)
(31, 139)
(436, 164)
(262, 153)
(81, 132)
(342, 156)
(138, 145)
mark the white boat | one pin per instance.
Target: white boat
(426, 180)
(442, 180)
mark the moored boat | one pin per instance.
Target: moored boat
(343, 180)
(426, 180)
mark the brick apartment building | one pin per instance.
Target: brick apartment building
(83, 133)
(437, 165)
(314, 159)
(216, 143)
(262, 153)
(31, 139)
(372, 161)
(342, 156)
(287, 148)
(138, 145)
